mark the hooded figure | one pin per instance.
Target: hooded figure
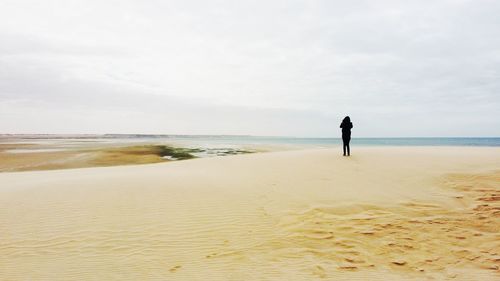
(346, 126)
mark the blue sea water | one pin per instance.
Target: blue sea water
(238, 141)
(324, 142)
(371, 141)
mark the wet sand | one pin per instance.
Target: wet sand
(52, 154)
(385, 213)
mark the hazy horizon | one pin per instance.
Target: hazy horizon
(412, 69)
(126, 135)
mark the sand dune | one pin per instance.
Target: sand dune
(382, 214)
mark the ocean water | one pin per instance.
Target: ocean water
(236, 141)
(219, 142)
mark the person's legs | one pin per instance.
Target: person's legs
(344, 144)
(348, 148)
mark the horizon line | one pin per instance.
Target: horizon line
(223, 135)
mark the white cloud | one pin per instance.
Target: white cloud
(418, 68)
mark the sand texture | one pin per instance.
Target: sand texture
(386, 213)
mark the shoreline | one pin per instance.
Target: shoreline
(20, 157)
(17, 157)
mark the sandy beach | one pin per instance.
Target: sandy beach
(385, 213)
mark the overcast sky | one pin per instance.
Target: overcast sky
(295, 68)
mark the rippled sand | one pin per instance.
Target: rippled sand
(382, 214)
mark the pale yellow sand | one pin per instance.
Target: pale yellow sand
(382, 214)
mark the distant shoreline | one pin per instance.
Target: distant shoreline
(268, 140)
(51, 152)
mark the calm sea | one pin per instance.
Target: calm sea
(237, 141)
(318, 142)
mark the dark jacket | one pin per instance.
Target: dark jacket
(346, 129)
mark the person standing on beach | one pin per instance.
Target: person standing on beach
(346, 126)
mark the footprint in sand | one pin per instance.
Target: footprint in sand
(399, 262)
(347, 267)
(354, 260)
(319, 271)
(175, 268)
(319, 235)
